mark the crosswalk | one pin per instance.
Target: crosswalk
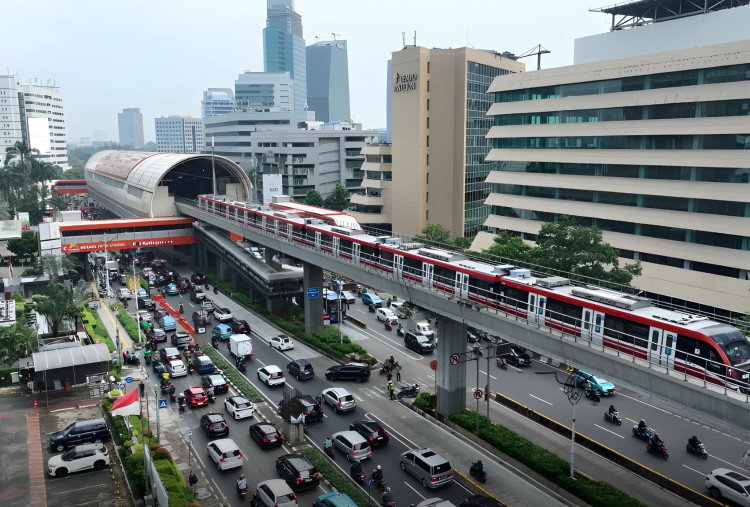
(376, 389)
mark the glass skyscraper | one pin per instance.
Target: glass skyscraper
(328, 80)
(284, 47)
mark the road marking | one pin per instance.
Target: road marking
(743, 470)
(393, 432)
(608, 431)
(414, 490)
(485, 373)
(538, 398)
(694, 470)
(400, 348)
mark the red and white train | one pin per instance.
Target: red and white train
(688, 343)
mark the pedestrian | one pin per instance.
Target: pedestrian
(125, 356)
(398, 373)
(391, 388)
(389, 376)
(192, 480)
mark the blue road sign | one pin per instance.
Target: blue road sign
(121, 385)
(312, 293)
(163, 403)
(128, 379)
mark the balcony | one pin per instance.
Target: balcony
(362, 199)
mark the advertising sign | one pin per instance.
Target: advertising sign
(271, 187)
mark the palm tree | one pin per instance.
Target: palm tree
(21, 151)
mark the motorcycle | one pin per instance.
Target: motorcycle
(190, 368)
(148, 360)
(379, 482)
(329, 450)
(699, 449)
(241, 366)
(372, 308)
(388, 325)
(172, 396)
(356, 472)
(242, 486)
(211, 395)
(182, 309)
(182, 402)
(593, 395)
(500, 362)
(613, 418)
(215, 342)
(409, 391)
(216, 290)
(400, 331)
(645, 434)
(658, 449)
(477, 470)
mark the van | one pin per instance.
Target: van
(429, 467)
(352, 444)
(384, 314)
(80, 432)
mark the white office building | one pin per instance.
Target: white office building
(217, 101)
(261, 90)
(179, 134)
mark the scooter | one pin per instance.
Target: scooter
(698, 450)
(645, 434)
(215, 342)
(190, 368)
(211, 395)
(388, 325)
(241, 366)
(216, 290)
(400, 331)
(182, 402)
(242, 486)
(500, 362)
(477, 470)
(356, 472)
(409, 391)
(593, 395)
(172, 395)
(659, 450)
(182, 309)
(329, 450)
(613, 418)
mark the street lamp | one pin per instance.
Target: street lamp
(106, 259)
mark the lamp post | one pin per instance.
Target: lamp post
(106, 259)
(477, 348)
(156, 399)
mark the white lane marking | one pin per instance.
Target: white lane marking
(608, 431)
(485, 373)
(694, 470)
(538, 398)
(393, 432)
(730, 464)
(195, 452)
(414, 490)
(400, 348)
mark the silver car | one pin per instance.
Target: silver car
(340, 399)
(352, 444)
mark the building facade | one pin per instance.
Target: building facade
(328, 80)
(284, 47)
(179, 134)
(33, 114)
(217, 101)
(653, 150)
(262, 90)
(130, 127)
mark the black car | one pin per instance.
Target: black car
(372, 431)
(418, 343)
(156, 333)
(198, 278)
(201, 318)
(197, 296)
(303, 404)
(266, 435)
(480, 501)
(218, 382)
(517, 357)
(351, 371)
(300, 369)
(146, 304)
(80, 432)
(297, 471)
(240, 326)
(214, 425)
(180, 339)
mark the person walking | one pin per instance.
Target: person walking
(398, 372)
(389, 377)
(391, 388)
(192, 480)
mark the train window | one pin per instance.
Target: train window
(637, 332)
(516, 298)
(387, 258)
(561, 311)
(587, 319)
(444, 275)
(483, 288)
(346, 246)
(654, 339)
(326, 241)
(412, 266)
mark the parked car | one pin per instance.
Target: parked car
(372, 299)
(724, 483)
(271, 375)
(203, 365)
(180, 339)
(196, 396)
(79, 432)
(124, 293)
(304, 404)
(297, 471)
(339, 399)
(334, 499)
(80, 457)
(167, 323)
(197, 296)
(431, 469)
(240, 326)
(281, 342)
(605, 387)
(218, 382)
(157, 333)
(418, 343)
(146, 304)
(372, 431)
(239, 407)
(166, 354)
(222, 332)
(350, 371)
(300, 369)
(352, 444)
(214, 425)
(225, 453)
(517, 357)
(176, 368)
(201, 318)
(223, 314)
(266, 435)
(274, 493)
(198, 278)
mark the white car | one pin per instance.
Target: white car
(730, 485)
(239, 407)
(254, 252)
(339, 398)
(348, 296)
(223, 314)
(176, 368)
(271, 375)
(274, 493)
(225, 453)
(124, 293)
(384, 314)
(281, 342)
(145, 315)
(80, 457)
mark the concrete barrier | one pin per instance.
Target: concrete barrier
(358, 322)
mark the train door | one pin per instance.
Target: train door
(355, 252)
(427, 271)
(317, 241)
(398, 264)
(661, 347)
(592, 326)
(535, 311)
(336, 243)
(462, 285)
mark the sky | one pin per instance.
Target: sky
(160, 55)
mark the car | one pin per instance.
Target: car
(350, 371)
(435, 502)
(274, 493)
(166, 354)
(176, 368)
(203, 365)
(271, 375)
(303, 404)
(517, 357)
(123, 278)
(198, 278)
(180, 339)
(297, 471)
(254, 252)
(144, 315)
(240, 326)
(158, 367)
(79, 432)
(300, 369)
(207, 305)
(146, 304)
(141, 293)
(167, 323)
(197, 296)
(372, 299)
(372, 431)
(724, 483)
(266, 435)
(239, 407)
(124, 293)
(281, 342)
(223, 314)
(339, 399)
(334, 499)
(348, 296)
(201, 318)
(418, 343)
(218, 382)
(431, 469)
(159, 313)
(604, 387)
(480, 501)
(352, 444)
(80, 457)
(172, 289)
(222, 332)
(157, 334)
(196, 396)
(214, 425)
(384, 314)
(225, 453)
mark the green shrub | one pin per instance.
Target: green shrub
(232, 374)
(180, 494)
(338, 480)
(162, 453)
(154, 446)
(127, 320)
(136, 471)
(107, 404)
(422, 401)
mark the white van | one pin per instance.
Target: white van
(386, 314)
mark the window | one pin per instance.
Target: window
(428, 163)
(428, 122)
(428, 104)
(428, 85)
(428, 67)
(428, 141)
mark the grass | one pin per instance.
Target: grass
(336, 478)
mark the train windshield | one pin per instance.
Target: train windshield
(733, 342)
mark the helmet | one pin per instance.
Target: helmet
(242, 476)
(388, 489)
(378, 467)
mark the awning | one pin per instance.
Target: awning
(70, 356)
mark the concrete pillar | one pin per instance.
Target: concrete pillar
(312, 278)
(275, 305)
(234, 281)
(269, 253)
(451, 379)
(294, 433)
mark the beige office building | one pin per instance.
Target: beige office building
(435, 168)
(654, 150)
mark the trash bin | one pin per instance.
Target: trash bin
(14, 377)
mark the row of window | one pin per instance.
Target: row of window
(648, 142)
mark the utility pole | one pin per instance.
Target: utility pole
(487, 387)
(477, 350)
(213, 168)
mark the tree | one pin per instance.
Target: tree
(76, 173)
(22, 152)
(313, 198)
(510, 246)
(462, 243)
(24, 246)
(338, 199)
(55, 304)
(57, 203)
(16, 341)
(56, 266)
(434, 234)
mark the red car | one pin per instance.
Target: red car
(196, 396)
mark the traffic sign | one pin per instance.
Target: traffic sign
(163, 403)
(312, 292)
(128, 379)
(454, 359)
(478, 394)
(121, 385)
(433, 365)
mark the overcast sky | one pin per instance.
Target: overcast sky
(160, 55)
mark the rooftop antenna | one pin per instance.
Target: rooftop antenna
(317, 37)
(403, 38)
(334, 35)
(415, 38)
(537, 50)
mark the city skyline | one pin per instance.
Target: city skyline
(124, 58)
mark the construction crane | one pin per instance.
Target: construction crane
(537, 50)
(335, 34)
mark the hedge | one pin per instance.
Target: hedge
(95, 327)
(127, 320)
(546, 463)
(180, 494)
(232, 374)
(339, 481)
(422, 401)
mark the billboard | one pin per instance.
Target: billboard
(271, 187)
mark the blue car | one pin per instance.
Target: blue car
(605, 387)
(172, 289)
(203, 365)
(167, 323)
(222, 332)
(372, 299)
(334, 499)
(141, 293)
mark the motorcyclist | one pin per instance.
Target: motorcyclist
(388, 497)
(211, 393)
(241, 482)
(694, 442)
(328, 444)
(182, 308)
(479, 467)
(612, 410)
(642, 426)
(377, 475)
(355, 469)
(655, 441)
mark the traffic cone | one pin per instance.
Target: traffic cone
(35, 404)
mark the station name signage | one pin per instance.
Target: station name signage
(405, 82)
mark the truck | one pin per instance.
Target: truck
(113, 270)
(338, 285)
(240, 345)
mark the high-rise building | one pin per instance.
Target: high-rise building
(284, 47)
(651, 148)
(179, 134)
(435, 167)
(33, 114)
(130, 127)
(100, 136)
(328, 80)
(217, 101)
(263, 90)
